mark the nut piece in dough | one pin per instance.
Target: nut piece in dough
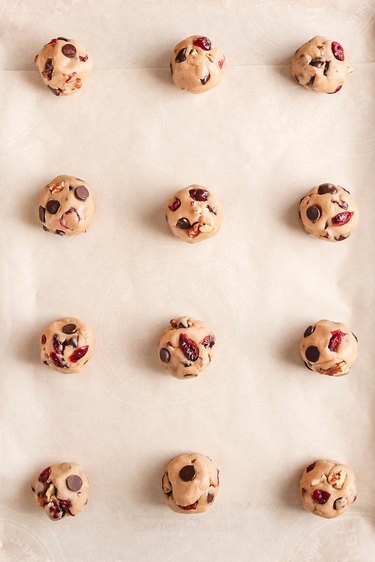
(327, 488)
(61, 490)
(329, 212)
(193, 214)
(190, 483)
(63, 65)
(196, 64)
(186, 348)
(329, 348)
(66, 206)
(321, 65)
(66, 345)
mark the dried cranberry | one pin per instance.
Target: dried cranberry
(44, 475)
(338, 51)
(221, 63)
(48, 69)
(342, 218)
(57, 345)
(208, 341)
(43, 339)
(210, 498)
(181, 56)
(175, 205)
(203, 42)
(59, 362)
(199, 194)
(335, 340)
(310, 467)
(83, 59)
(320, 496)
(337, 90)
(189, 348)
(65, 506)
(78, 353)
(188, 507)
(56, 512)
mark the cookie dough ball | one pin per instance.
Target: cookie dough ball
(190, 483)
(66, 206)
(329, 212)
(193, 214)
(186, 348)
(321, 65)
(63, 65)
(61, 490)
(67, 345)
(329, 348)
(196, 64)
(327, 488)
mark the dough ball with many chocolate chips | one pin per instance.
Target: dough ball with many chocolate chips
(186, 348)
(321, 65)
(66, 345)
(327, 488)
(61, 490)
(66, 206)
(329, 212)
(329, 348)
(193, 214)
(190, 483)
(63, 65)
(197, 65)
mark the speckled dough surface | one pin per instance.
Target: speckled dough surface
(190, 483)
(63, 65)
(329, 212)
(186, 348)
(321, 65)
(193, 214)
(61, 490)
(197, 65)
(329, 348)
(66, 345)
(66, 206)
(327, 488)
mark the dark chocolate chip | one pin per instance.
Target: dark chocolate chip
(55, 91)
(313, 213)
(318, 62)
(187, 473)
(181, 55)
(60, 232)
(53, 206)
(45, 228)
(355, 336)
(312, 354)
(308, 366)
(45, 362)
(212, 210)
(311, 81)
(69, 50)
(69, 329)
(183, 223)
(310, 330)
(326, 188)
(210, 498)
(164, 355)
(189, 375)
(33, 489)
(326, 67)
(341, 237)
(72, 341)
(74, 482)
(186, 363)
(340, 503)
(48, 69)
(205, 79)
(81, 192)
(42, 214)
(310, 467)
(62, 39)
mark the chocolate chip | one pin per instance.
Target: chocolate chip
(210, 498)
(72, 341)
(318, 63)
(187, 473)
(53, 206)
(183, 223)
(74, 482)
(62, 39)
(205, 79)
(340, 503)
(48, 69)
(45, 228)
(212, 210)
(55, 91)
(326, 67)
(42, 214)
(33, 489)
(43, 339)
(312, 354)
(60, 232)
(310, 467)
(69, 329)
(355, 336)
(164, 355)
(181, 56)
(81, 192)
(326, 188)
(311, 81)
(310, 330)
(308, 366)
(313, 213)
(69, 50)
(341, 237)
(303, 491)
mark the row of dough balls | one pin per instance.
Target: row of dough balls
(197, 65)
(190, 484)
(67, 207)
(185, 348)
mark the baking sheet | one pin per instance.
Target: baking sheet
(259, 142)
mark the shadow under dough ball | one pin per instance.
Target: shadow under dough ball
(63, 65)
(190, 483)
(329, 348)
(197, 65)
(321, 65)
(329, 212)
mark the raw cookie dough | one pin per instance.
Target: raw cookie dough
(329, 348)
(66, 345)
(190, 483)
(327, 488)
(321, 65)
(196, 64)
(328, 211)
(61, 489)
(193, 214)
(185, 349)
(63, 65)
(66, 206)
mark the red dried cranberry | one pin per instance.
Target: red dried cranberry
(57, 346)
(65, 506)
(44, 475)
(338, 51)
(221, 63)
(78, 353)
(335, 340)
(56, 512)
(83, 59)
(337, 90)
(43, 339)
(189, 348)
(199, 194)
(208, 341)
(342, 218)
(59, 362)
(320, 496)
(188, 507)
(203, 42)
(175, 205)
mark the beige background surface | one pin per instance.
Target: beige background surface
(260, 142)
